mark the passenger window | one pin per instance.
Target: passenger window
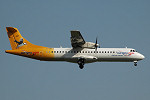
(102, 51)
(91, 52)
(60, 51)
(99, 51)
(105, 51)
(108, 52)
(88, 51)
(66, 51)
(113, 51)
(82, 51)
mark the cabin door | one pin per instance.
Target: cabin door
(41, 53)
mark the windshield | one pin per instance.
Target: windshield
(133, 50)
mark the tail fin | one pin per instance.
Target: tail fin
(16, 40)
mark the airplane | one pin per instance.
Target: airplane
(82, 52)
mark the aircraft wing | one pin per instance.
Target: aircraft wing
(76, 39)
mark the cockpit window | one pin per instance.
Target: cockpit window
(133, 51)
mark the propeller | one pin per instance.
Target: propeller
(96, 45)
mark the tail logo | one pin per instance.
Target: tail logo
(20, 43)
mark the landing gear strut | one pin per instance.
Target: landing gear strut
(135, 63)
(81, 63)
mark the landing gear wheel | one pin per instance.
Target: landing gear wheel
(81, 66)
(81, 63)
(135, 63)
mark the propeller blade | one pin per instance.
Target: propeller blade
(96, 41)
(95, 49)
(96, 45)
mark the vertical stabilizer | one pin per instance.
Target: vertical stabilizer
(16, 40)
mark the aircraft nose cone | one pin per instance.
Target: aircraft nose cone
(141, 57)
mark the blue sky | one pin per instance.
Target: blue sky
(117, 23)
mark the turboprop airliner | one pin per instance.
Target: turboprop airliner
(82, 52)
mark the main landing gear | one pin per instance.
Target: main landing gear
(81, 63)
(135, 63)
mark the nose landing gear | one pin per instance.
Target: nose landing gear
(135, 63)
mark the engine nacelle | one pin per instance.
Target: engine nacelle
(90, 45)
